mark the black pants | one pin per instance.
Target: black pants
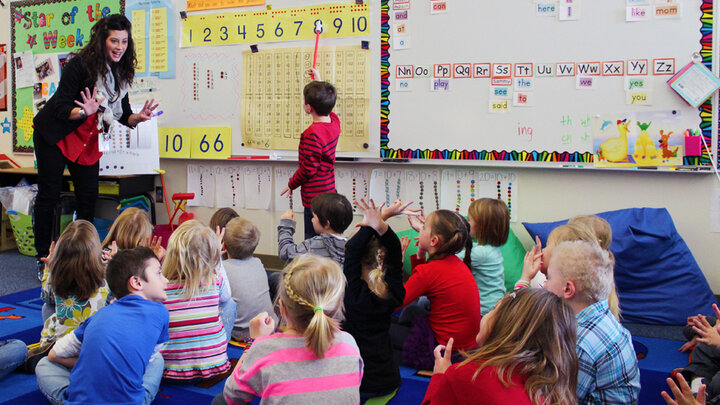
(307, 218)
(51, 163)
(705, 363)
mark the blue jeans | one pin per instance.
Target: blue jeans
(228, 313)
(53, 379)
(12, 355)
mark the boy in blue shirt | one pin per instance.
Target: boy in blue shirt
(113, 357)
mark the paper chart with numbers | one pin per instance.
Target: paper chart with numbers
(353, 184)
(210, 86)
(460, 187)
(285, 202)
(272, 101)
(423, 188)
(386, 185)
(130, 151)
(201, 181)
(230, 187)
(258, 186)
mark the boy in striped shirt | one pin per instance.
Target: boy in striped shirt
(316, 151)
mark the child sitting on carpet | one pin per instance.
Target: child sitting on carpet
(447, 282)
(526, 356)
(312, 361)
(73, 282)
(132, 228)
(373, 269)
(246, 275)
(113, 357)
(197, 349)
(331, 215)
(490, 226)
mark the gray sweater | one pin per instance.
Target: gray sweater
(324, 245)
(249, 286)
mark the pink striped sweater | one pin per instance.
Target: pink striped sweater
(281, 370)
(197, 348)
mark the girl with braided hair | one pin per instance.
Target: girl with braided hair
(312, 361)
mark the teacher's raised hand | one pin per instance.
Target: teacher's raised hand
(90, 103)
(145, 114)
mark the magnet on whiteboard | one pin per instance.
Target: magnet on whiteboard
(365, 44)
(269, 6)
(254, 48)
(183, 14)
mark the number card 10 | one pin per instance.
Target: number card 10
(175, 142)
(211, 143)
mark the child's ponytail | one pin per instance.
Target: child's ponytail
(454, 233)
(312, 292)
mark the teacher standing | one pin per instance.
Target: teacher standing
(93, 92)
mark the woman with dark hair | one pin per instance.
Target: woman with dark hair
(93, 92)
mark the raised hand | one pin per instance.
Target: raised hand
(532, 261)
(288, 215)
(314, 74)
(147, 111)
(707, 333)
(442, 360)
(398, 208)
(108, 255)
(683, 394)
(155, 244)
(89, 101)
(417, 221)
(372, 216)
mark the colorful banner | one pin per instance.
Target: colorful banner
(46, 27)
(286, 24)
(3, 77)
(196, 5)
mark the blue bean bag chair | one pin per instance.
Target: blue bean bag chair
(657, 278)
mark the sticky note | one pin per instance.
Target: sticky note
(498, 106)
(403, 85)
(638, 98)
(523, 99)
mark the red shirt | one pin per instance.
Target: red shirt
(454, 299)
(456, 386)
(81, 145)
(316, 159)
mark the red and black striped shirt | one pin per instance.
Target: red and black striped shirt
(316, 160)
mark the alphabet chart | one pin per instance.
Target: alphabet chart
(291, 202)
(353, 184)
(272, 101)
(258, 184)
(230, 187)
(201, 181)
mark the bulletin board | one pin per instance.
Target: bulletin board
(520, 81)
(50, 30)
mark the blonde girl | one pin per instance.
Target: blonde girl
(489, 220)
(132, 228)
(526, 356)
(583, 228)
(373, 269)
(73, 282)
(198, 339)
(312, 361)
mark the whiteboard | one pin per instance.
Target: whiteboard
(459, 123)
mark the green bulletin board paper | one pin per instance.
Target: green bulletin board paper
(49, 27)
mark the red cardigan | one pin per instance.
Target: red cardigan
(454, 299)
(456, 386)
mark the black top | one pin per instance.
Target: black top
(52, 122)
(367, 316)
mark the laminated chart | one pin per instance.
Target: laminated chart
(272, 85)
(278, 25)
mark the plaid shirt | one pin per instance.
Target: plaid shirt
(608, 370)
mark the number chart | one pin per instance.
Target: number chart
(272, 85)
(284, 24)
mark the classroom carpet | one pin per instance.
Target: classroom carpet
(20, 319)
